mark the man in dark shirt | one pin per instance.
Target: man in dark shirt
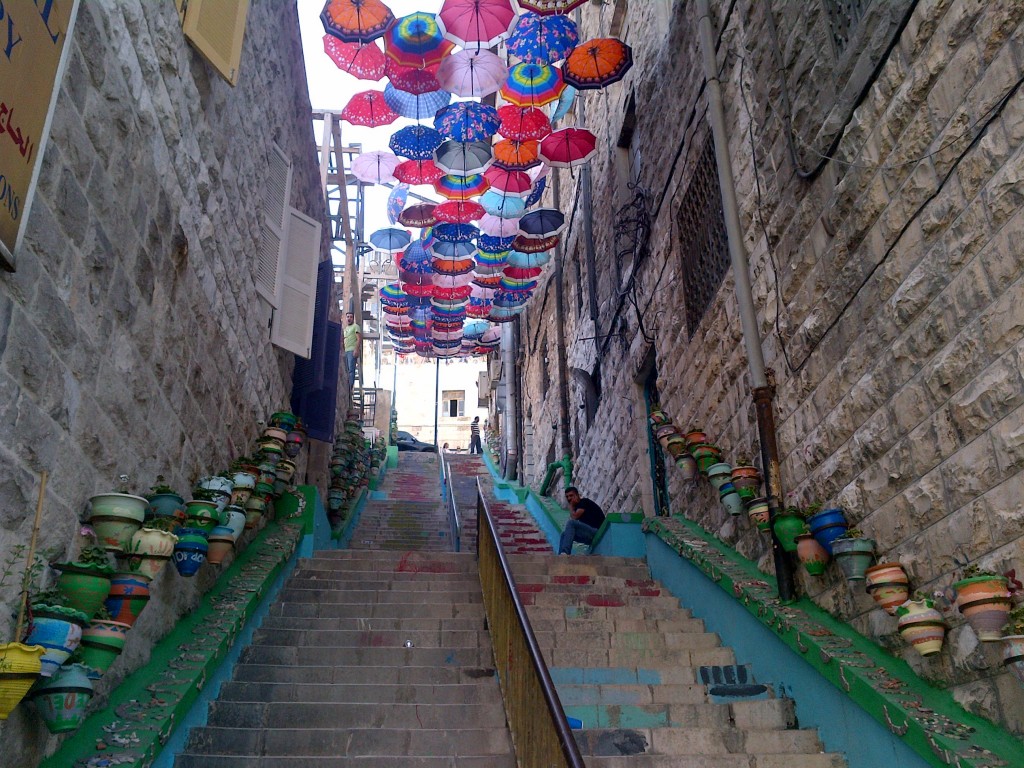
(474, 437)
(585, 517)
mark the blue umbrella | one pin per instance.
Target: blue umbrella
(564, 104)
(543, 39)
(467, 121)
(416, 142)
(502, 204)
(543, 222)
(415, 106)
(390, 239)
(396, 202)
(460, 250)
(492, 244)
(537, 192)
(528, 260)
(415, 253)
(455, 233)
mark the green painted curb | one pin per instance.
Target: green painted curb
(143, 709)
(392, 461)
(927, 719)
(342, 530)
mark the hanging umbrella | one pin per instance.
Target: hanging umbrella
(549, 7)
(393, 297)
(416, 41)
(544, 222)
(490, 263)
(364, 61)
(375, 167)
(416, 142)
(597, 63)
(472, 73)
(568, 148)
(453, 266)
(416, 253)
(460, 187)
(467, 121)
(540, 39)
(564, 104)
(459, 211)
(463, 158)
(390, 239)
(396, 202)
(368, 109)
(356, 21)
(476, 24)
(537, 192)
(532, 85)
(512, 182)
(487, 281)
(418, 216)
(497, 226)
(522, 273)
(515, 155)
(523, 123)
(492, 244)
(534, 245)
(502, 204)
(458, 250)
(455, 233)
(415, 106)
(418, 172)
(528, 260)
(519, 290)
(414, 81)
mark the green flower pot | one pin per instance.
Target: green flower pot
(85, 585)
(787, 527)
(61, 699)
(202, 514)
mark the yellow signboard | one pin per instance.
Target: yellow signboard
(33, 44)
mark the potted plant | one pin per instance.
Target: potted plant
(921, 625)
(888, 584)
(56, 627)
(757, 510)
(787, 525)
(746, 478)
(115, 516)
(166, 510)
(85, 581)
(202, 513)
(147, 552)
(20, 663)
(61, 700)
(853, 551)
(1013, 642)
(102, 642)
(707, 456)
(220, 543)
(129, 594)
(984, 600)
(695, 436)
(813, 556)
(826, 525)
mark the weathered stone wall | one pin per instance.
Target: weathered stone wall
(888, 284)
(132, 340)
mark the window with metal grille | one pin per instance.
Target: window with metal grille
(703, 242)
(843, 17)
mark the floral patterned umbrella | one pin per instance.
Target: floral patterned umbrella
(356, 21)
(418, 216)
(543, 39)
(476, 24)
(418, 172)
(529, 245)
(396, 202)
(492, 244)
(415, 142)
(597, 63)
(415, 106)
(459, 211)
(369, 109)
(364, 61)
(416, 41)
(532, 85)
(472, 73)
(516, 155)
(414, 81)
(467, 121)
(537, 192)
(523, 123)
(455, 233)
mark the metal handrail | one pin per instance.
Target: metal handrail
(448, 492)
(541, 735)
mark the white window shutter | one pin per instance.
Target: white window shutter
(217, 29)
(292, 328)
(276, 194)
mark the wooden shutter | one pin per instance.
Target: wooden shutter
(292, 328)
(276, 194)
(217, 29)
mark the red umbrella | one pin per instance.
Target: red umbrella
(522, 273)
(418, 216)
(511, 182)
(477, 23)
(568, 148)
(528, 245)
(418, 172)
(368, 108)
(523, 123)
(412, 80)
(365, 62)
(459, 211)
(550, 7)
(516, 155)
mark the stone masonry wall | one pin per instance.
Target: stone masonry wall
(131, 337)
(888, 284)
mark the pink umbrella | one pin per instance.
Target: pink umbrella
(369, 109)
(523, 123)
(472, 73)
(477, 24)
(498, 227)
(365, 62)
(375, 167)
(512, 182)
(568, 148)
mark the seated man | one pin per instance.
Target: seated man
(585, 517)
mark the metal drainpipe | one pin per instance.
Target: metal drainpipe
(508, 362)
(763, 392)
(586, 188)
(561, 354)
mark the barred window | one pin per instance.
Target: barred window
(844, 16)
(703, 244)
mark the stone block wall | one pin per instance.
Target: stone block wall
(881, 193)
(131, 336)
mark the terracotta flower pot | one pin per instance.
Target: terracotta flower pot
(61, 700)
(984, 602)
(853, 556)
(922, 626)
(115, 517)
(220, 544)
(19, 669)
(695, 437)
(1013, 655)
(811, 554)
(747, 480)
(888, 584)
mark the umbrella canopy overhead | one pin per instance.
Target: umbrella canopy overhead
(396, 202)
(375, 167)
(390, 239)
(564, 104)
(476, 24)
(544, 222)
(416, 41)
(597, 63)
(472, 73)
(458, 211)
(458, 250)
(537, 192)
(467, 121)
(540, 39)
(463, 158)
(356, 21)
(361, 60)
(532, 85)
(497, 226)
(516, 155)
(502, 204)
(418, 172)
(512, 182)
(416, 106)
(410, 80)
(492, 244)
(415, 142)
(528, 260)
(534, 245)
(369, 109)
(455, 233)
(523, 123)
(568, 148)
(418, 216)
(460, 187)
(549, 7)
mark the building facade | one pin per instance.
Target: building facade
(878, 155)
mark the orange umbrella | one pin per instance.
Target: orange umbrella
(516, 155)
(597, 63)
(356, 21)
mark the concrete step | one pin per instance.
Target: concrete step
(644, 612)
(562, 624)
(326, 715)
(612, 742)
(362, 674)
(328, 638)
(330, 609)
(375, 657)
(717, 761)
(468, 691)
(409, 583)
(642, 657)
(775, 715)
(634, 641)
(351, 761)
(365, 596)
(361, 624)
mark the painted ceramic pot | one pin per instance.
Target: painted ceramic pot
(217, 483)
(888, 584)
(283, 419)
(19, 669)
(827, 526)
(687, 465)
(254, 510)
(787, 526)
(719, 474)
(853, 556)
(202, 515)
(190, 551)
(148, 552)
(59, 631)
(706, 455)
(922, 626)
(984, 602)
(757, 510)
(275, 433)
(85, 585)
(61, 700)
(747, 480)
(730, 499)
(115, 517)
(1013, 655)
(695, 437)
(234, 520)
(129, 594)
(813, 556)
(102, 643)
(657, 417)
(220, 544)
(285, 470)
(166, 512)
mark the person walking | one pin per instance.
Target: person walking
(474, 437)
(353, 341)
(585, 517)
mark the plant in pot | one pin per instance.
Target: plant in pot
(61, 700)
(201, 512)
(695, 436)
(56, 627)
(757, 511)
(85, 581)
(147, 552)
(115, 516)
(19, 662)
(787, 525)
(102, 642)
(707, 456)
(983, 598)
(166, 510)
(826, 525)
(1013, 642)
(746, 478)
(813, 556)
(921, 624)
(888, 584)
(853, 551)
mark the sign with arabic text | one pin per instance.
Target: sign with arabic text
(33, 47)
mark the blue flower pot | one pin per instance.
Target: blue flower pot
(827, 526)
(190, 551)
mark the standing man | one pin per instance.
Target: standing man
(585, 517)
(353, 341)
(474, 436)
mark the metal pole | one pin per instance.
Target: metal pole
(763, 393)
(437, 396)
(508, 366)
(560, 350)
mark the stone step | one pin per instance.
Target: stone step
(562, 624)
(596, 599)
(375, 657)
(362, 624)
(407, 583)
(351, 761)
(326, 715)
(366, 596)
(345, 610)
(349, 742)
(774, 715)
(363, 674)
(329, 638)
(643, 612)
(694, 741)
(613, 694)
(717, 761)
(634, 641)
(478, 690)
(643, 657)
